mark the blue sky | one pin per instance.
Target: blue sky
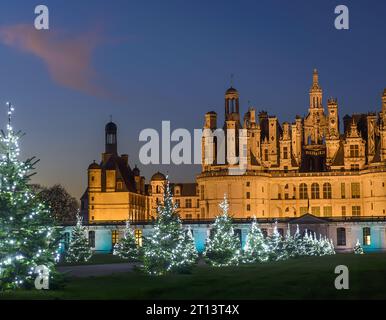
(172, 60)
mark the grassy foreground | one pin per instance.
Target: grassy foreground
(304, 278)
(96, 259)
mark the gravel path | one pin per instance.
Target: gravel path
(96, 270)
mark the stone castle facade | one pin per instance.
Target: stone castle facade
(311, 165)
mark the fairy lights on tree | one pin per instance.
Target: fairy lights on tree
(28, 236)
(223, 246)
(169, 248)
(127, 247)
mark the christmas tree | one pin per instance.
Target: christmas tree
(127, 247)
(169, 248)
(223, 247)
(358, 248)
(28, 236)
(300, 249)
(275, 245)
(255, 249)
(79, 249)
(289, 245)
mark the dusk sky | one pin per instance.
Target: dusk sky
(147, 61)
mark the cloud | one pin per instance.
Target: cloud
(68, 59)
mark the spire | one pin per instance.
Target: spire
(316, 93)
(315, 78)
(353, 129)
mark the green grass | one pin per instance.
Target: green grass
(97, 259)
(304, 278)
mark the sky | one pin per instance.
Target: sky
(147, 61)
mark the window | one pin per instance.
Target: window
(327, 194)
(355, 190)
(343, 190)
(248, 183)
(281, 232)
(343, 211)
(119, 186)
(303, 210)
(92, 178)
(327, 211)
(248, 207)
(341, 236)
(366, 236)
(202, 192)
(188, 216)
(356, 211)
(248, 195)
(114, 237)
(285, 152)
(354, 167)
(138, 237)
(265, 154)
(264, 232)
(178, 203)
(188, 203)
(315, 191)
(198, 203)
(66, 240)
(315, 211)
(91, 239)
(303, 193)
(354, 151)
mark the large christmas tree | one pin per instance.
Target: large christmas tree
(169, 248)
(79, 249)
(275, 246)
(28, 236)
(127, 247)
(223, 246)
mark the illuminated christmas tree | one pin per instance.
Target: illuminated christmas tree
(275, 246)
(223, 246)
(255, 249)
(127, 247)
(358, 248)
(79, 249)
(169, 248)
(28, 236)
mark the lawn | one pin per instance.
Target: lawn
(303, 278)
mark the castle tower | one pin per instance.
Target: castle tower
(94, 177)
(232, 105)
(333, 120)
(111, 138)
(316, 92)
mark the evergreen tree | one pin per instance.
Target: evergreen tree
(255, 249)
(289, 245)
(308, 243)
(28, 236)
(185, 254)
(168, 249)
(79, 249)
(223, 246)
(127, 247)
(275, 245)
(358, 248)
(300, 249)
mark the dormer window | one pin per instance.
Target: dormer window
(354, 151)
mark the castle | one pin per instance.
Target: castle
(308, 168)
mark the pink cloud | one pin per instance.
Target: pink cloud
(68, 60)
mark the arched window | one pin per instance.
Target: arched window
(315, 191)
(341, 236)
(327, 194)
(303, 192)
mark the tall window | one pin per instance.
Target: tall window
(202, 192)
(343, 211)
(248, 207)
(355, 190)
(265, 154)
(356, 211)
(138, 237)
(248, 195)
(315, 191)
(327, 194)
(303, 193)
(341, 236)
(188, 203)
(285, 152)
(114, 237)
(178, 203)
(354, 151)
(343, 190)
(303, 210)
(91, 239)
(366, 236)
